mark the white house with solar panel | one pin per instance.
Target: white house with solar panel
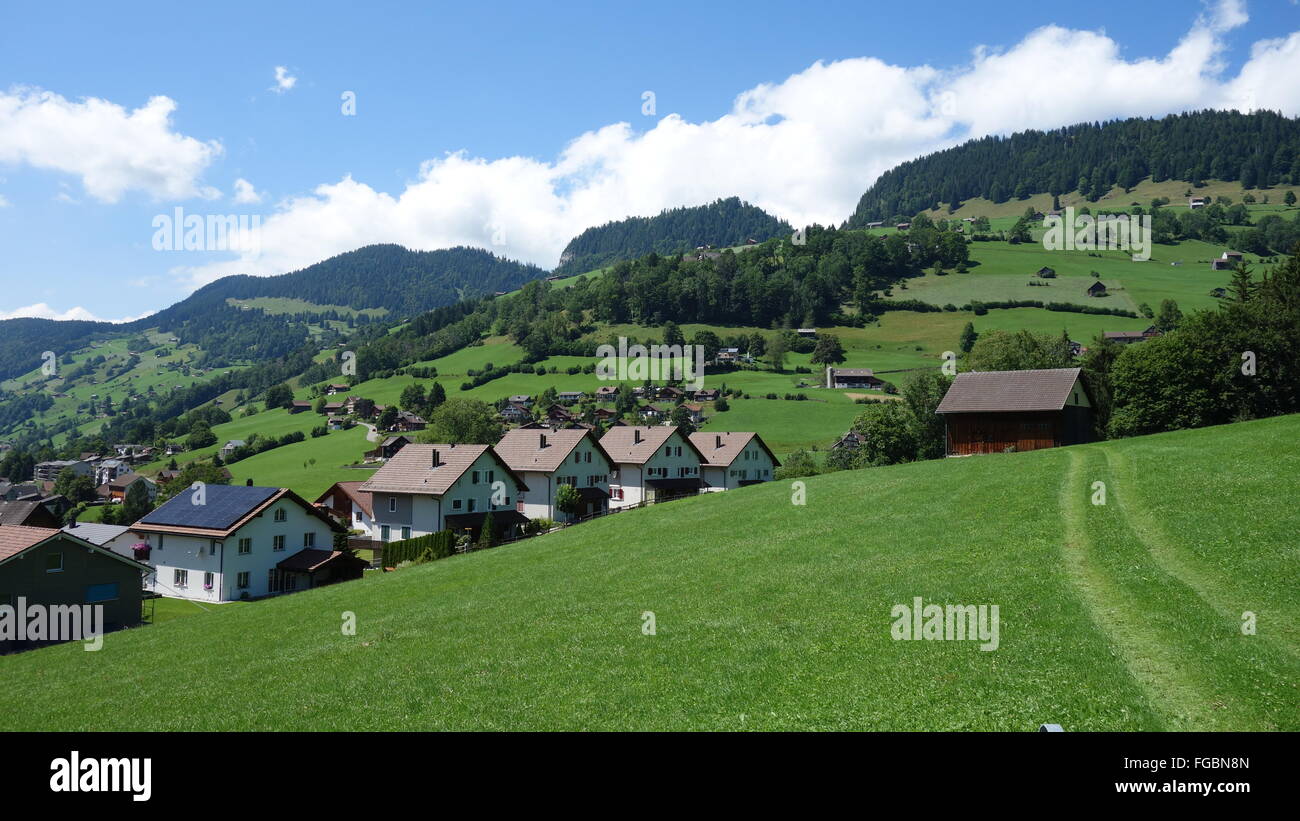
(231, 542)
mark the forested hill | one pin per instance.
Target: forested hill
(376, 276)
(1258, 149)
(720, 224)
(407, 283)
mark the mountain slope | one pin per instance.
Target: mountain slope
(375, 276)
(403, 282)
(720, 224)
(774, 616)
(1258, 149)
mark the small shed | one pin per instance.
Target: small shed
(997, 411)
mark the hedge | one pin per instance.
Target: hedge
(438, 545)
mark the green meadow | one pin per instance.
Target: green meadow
(1122, 616)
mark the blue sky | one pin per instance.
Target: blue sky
(512, 87)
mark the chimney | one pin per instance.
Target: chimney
(541, 440)
(717, 441)
(636, 436)
(248, 482)
(434, 461)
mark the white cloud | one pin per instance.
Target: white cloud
(4, 203)
(284, 81)
(42, 311)
(804, 149)
(113, 150)
(245, 192)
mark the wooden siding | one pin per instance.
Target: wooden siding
(995, 432)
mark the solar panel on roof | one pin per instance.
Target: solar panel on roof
(223, 506)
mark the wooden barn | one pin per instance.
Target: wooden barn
(995, 411)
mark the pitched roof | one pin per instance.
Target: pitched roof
(19, 512)
(721, 449)
(853, 372)
(126, 480)
(353, 491)
(309, 559)
(522, 449)
(411, 470)
(14, 539)
(95, 532)
(991, 391)
(621, 445)
(225, 509)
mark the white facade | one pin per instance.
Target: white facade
(674, 459)
(751, 465)
(401, 516)
(586, 466)
(206, 569)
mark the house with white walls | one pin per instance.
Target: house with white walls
(424, 489)
(733, 460)
(349, 505)
(546, 459)
(221, 542)
(651, 464)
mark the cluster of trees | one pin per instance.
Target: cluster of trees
(721, 223)
(1271, 235)
(1260, 149)
(415, 400)
(463, 422)
(1235, 363)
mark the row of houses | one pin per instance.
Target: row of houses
(426, 488)
(231, 542)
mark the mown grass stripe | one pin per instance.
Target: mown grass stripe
(1227, 595)
(1159, 668)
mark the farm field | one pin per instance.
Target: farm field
(1005, 270)
(1117, 199)
(1118, 617)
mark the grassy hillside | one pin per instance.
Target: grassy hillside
(1118, 198)
(773, 616)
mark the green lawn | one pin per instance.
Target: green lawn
(166, 609)
(310, 466)
(776, 616)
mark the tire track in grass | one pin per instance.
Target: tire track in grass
(1222, 595)
(1160, 670)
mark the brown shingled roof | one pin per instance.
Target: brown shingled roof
(14, 539)
(721, 449)
(622, 448)
(411, 469)
(354, 492)
(522, 449)
(994, 391)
